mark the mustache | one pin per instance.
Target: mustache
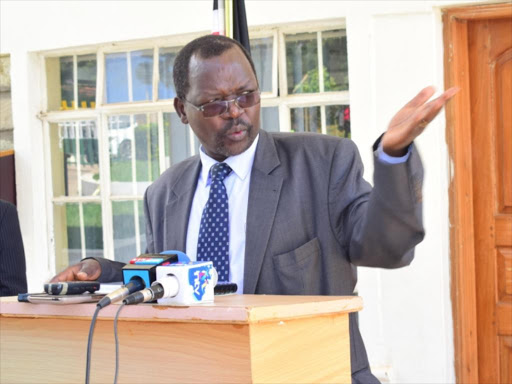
(234, 122)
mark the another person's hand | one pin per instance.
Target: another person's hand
(85, 270)
(412, 119)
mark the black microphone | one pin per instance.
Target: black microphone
(135, 284)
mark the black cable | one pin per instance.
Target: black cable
(89, 345)
(117, 341)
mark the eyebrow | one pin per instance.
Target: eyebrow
(214, 95)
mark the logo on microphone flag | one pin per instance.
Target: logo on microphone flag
(199, 278)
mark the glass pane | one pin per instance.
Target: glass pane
(142, 74)
(302, 63)
(261, 53)
(66, 82)
(116, 71)
(142, 227)
(89, 159)
(306, 119)
(93, 230)
(63, 142)
(120, 133)
(146, 147)
(270, 119)
(70, 141)
(337, 119)
(68, 233)
(124, 230)
(166, 83)
(334, 48)
(66, 229)
(177, 139)
(86, 68)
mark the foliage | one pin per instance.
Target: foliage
(310, 82)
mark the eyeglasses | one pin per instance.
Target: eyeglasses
(219, 107)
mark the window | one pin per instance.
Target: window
(111, 128)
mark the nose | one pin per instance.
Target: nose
(234, 110)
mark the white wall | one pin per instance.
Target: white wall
(394, 48)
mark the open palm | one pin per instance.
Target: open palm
(412, 119)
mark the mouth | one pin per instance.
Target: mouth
(237, 133)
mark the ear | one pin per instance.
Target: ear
(179, 106)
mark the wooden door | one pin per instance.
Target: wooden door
(478, 59)
(490, 77)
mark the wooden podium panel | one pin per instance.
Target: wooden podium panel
(238, 339)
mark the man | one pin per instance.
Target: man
(13, 279)
(301, 217)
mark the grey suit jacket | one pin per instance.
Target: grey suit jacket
(311, 217)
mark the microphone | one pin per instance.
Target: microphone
(141, 272)
(135, 284)
(180, 284)
(144, 266)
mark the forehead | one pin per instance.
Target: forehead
(219, 75)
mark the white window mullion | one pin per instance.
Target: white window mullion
(75, 82)
(283, 81)
(134, 160)
(137, 229)
(284, 111)
(78, 129)
(275, 66)
(106, 204)
(49, 203)
(284, 118)
(323, 119)
(82, 228)
(161, 142)
(320, 62)
(192, 147)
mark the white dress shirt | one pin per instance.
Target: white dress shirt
(237, 187)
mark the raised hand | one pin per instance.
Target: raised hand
(412, 119)
(85, 270)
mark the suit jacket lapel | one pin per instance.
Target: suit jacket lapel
(178, 208)
(263, 199)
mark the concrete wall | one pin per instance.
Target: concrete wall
(394, 50)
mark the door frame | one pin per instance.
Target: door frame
(458, 138)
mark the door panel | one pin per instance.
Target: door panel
(490, 62)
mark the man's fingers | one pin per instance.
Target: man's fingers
(66, 275)
(90, 270)
(429, 111)
(86, 270)
(421, 98)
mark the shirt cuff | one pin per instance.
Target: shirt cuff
(386, 159)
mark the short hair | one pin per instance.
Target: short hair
(206, 47)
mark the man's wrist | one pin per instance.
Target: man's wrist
(389, 159)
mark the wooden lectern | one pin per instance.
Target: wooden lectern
(238, 339)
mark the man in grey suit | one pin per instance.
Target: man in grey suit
(301, 217)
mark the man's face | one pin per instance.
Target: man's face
(221, 78)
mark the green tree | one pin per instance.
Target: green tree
(310, 82)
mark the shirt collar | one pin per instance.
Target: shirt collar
(240, 164)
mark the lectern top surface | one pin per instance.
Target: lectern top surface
(229, 309)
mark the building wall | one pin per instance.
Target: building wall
(394, 50)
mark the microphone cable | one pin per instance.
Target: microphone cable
(89, 344)
(117, 341)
